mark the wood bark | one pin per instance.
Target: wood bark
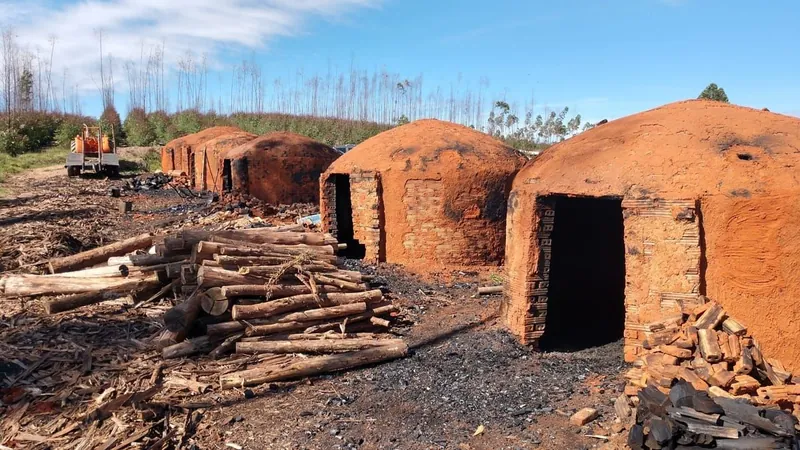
(98, 272)
(336, 336)
(143, 260)
(287, 272)
(377, 321)
(261, 236)
(298, 302)
(314, 346)
(237, 248)
(328, 313)
(188, 347)
(32, 285)
(336, 326)
(313, 366)
(487, 290)
(341, 284)
(100, 254)
(74, 301)
(181, 317)
(276, 328)
(272, 292)
(208, 277)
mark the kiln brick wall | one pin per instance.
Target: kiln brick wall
(167, 159)
(452, 237)
(528, 268)
(366, 201)
(365, 197)
(327, 206)
(662, 268)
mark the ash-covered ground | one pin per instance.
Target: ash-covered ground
(440, 395)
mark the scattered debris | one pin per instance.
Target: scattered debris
(583, 416)
(148, 182)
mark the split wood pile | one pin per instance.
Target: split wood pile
(260, 291)
(704, 381)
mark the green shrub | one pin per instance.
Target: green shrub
(152, 160)
(188, 122)
(12, 142)
(111, 125)
(69, 127)
(162, 127)
(139, 131)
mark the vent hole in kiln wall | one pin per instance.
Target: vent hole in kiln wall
(344, 219)
(227, 181)
(586, 295)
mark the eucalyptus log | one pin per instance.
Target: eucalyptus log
(272, 292)
(314, 346)
(488, 290)
(238, 248)
(74, 301)
(286, 271)
(143, 260)
(32, 285)
(167, 338)
(335, 336)
(243, 261)
(377, 321)
(227, 328)
(299, 368)
(276, 328)
(188, 347)
(305, 301)
(100, 254)
(341, 284)
(227, 346)
(208, 277)
(262, 236)
(181, 316)
(331, 312)
(213, 302)
(336, 326)
(97, 272)
(189, 273)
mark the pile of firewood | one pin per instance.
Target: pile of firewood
(728, 393)
(270, 292)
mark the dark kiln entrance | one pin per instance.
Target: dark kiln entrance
(586, 295)
(344, 218)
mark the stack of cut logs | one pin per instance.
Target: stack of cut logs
(269, 292)
(711, 354)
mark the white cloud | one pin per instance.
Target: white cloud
(199, 26)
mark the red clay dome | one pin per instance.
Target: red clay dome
(177, 154)
(428, 194)
(684, 148)
(430, 145)
(624, 226)
(279, 167)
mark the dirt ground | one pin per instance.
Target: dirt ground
(474, 388)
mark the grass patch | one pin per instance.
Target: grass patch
(152, 160)
(10, 165)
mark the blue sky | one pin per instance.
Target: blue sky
(603, 59)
